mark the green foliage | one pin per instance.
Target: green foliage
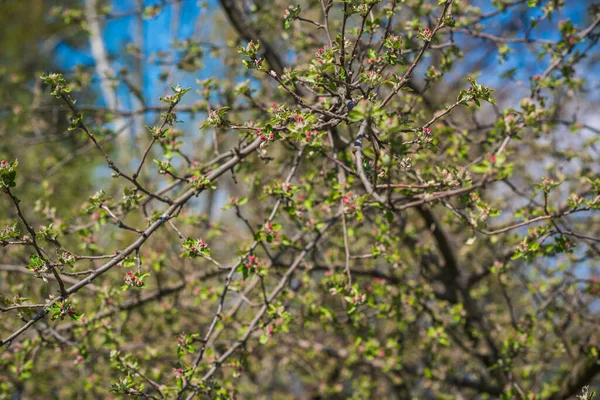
(377, 229)
(8, 174)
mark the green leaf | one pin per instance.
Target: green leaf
(356, 115)
(388, 216)
(76, 316)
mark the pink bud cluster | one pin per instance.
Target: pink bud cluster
(268, 227)
(348, 202)
(199, 245)
(575, 198)
(533, 231)
(132, 280)
(66, 309)
(286, 12)
(371, 75)
(253, 263)
(358, 298)
(310, 135)
(269, 137)
(67, 257)
(276, 108)
(524, 247)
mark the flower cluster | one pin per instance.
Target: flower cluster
(195, 248)
(449, 178)
(280, 320)
(276, 108)
(58, 84)
(298, 119)
(425, 34)
(574, 200)
(324, 56)
(433, 74)
(371, 77)
(132, 280)
(9, 232)
(37, 265)
(269, 232)
(180, 373)
(393, 42)
(475, 93)
(291, 13)
(266, 137)
(594, 286)
(185, 344)
(357, 298)
(172, 100)
(547, 184)
(252, 265)
(424, 137)
(62, 310)
(66, 258)
(216, 118)
(201, 182)
(251, 51)
(8, 173)
(164, 166)
(80, 354)
(311, 135)
(361, 9)
(348, 202)
(280, 189)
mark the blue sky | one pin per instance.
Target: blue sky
(158, 36)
